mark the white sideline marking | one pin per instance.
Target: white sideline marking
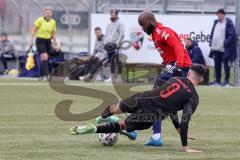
(23, 84)
(47, 84)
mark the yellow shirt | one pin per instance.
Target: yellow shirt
(45, 28)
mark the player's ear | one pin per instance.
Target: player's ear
(201, 79)
(189, 73)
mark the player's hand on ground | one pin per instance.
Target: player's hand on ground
(192, 151)
(188, 150)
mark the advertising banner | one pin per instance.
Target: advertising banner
(142, 50)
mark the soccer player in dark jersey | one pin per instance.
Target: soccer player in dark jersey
(172, 96)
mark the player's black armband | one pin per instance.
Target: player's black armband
(108, 128)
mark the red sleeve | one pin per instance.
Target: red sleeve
(173, 41)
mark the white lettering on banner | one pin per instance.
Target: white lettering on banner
(74, 19)
(141, 48)
(200, 37)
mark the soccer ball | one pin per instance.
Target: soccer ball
(108, 139)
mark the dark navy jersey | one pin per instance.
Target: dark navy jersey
(174, 95)
(171, 96)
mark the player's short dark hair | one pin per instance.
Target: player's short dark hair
(221, 11)
(114, 11)
(199, 69)
(97, 28)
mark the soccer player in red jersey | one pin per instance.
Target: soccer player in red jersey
(175, 59)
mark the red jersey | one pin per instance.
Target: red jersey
(170, 47)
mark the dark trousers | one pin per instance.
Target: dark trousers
(116, 64)
(218, 60)
(94, 64)
(7, 57)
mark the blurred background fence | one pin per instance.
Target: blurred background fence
(73, 16)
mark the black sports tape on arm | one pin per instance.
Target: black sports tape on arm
(106, 113)
(109, 128)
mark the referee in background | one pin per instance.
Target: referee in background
(44, 30)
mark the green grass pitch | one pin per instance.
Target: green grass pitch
(29, 128)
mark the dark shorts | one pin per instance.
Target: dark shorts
(140, 118)
(43, 45)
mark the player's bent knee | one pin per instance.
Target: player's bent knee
(44, 56)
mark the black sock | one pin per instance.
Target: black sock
(108, 128)
(106, 113)
(44, 68)
(41, 69)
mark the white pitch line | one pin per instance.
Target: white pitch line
(47, 84)
(24, 84)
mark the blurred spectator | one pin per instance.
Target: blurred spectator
(194, 51)
(56, 55)
(7, 51)
(45, 30)
(223, 47)
(99, 50)
(114, 34)
(99, 56)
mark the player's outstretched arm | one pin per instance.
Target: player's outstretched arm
(175, 122)
(188, 110)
